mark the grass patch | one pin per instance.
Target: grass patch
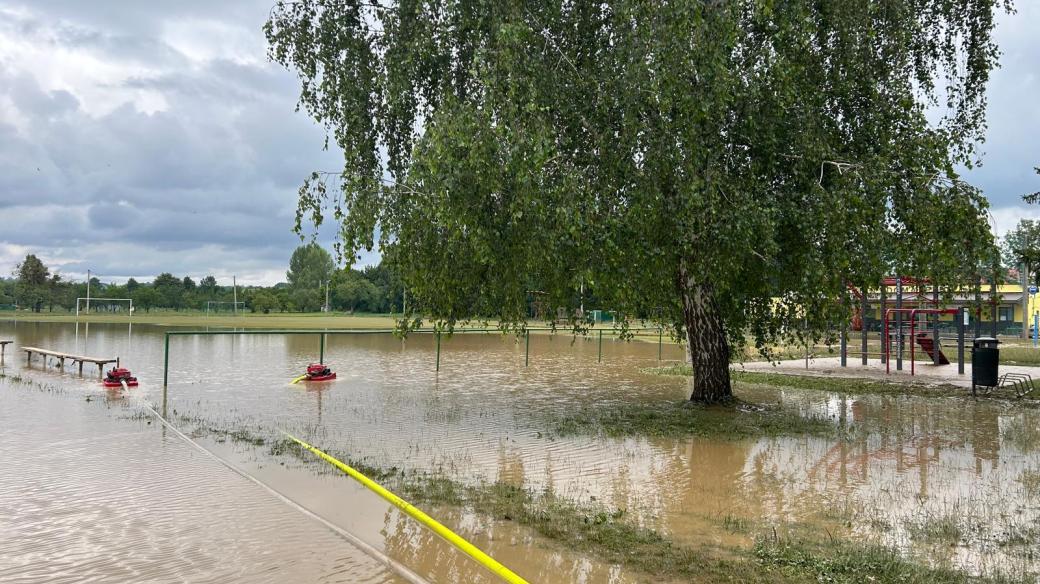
(676, 370)
(845, 385)
(844, 562)
(1030, 480)
(735, 524)
(943, 529)
(1020, 356)
(1022, 433)
(685, 418)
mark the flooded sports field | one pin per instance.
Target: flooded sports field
(95, 486)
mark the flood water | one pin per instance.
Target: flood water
(947, 480)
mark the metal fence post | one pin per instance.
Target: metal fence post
(935, 326)
(899, 323)
(660, 340)
(321, 351)
(886, 344)
(960, 341)
(844, 344)
(599, 354)
(527, 348)
(166, 361)
(863, 325)
(438, 351)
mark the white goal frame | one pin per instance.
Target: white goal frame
(130, 311)
(238, 305)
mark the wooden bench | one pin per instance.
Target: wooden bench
(62, 356)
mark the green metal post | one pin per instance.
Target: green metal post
(321, 353)
(166, 361)
(599, 355)
(660, 340)
(438, 351)
(527, 348)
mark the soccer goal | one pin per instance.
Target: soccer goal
(215, 306)
(105, 305)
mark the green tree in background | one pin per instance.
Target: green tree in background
(1021, 247)
(208, 286)
(169, 290)
(389, 287)
(263, 302)
(352, 291)
(310, 267)
(32, 288)
(306, 299)
(146, 298)
(55, 289)
(728, 166)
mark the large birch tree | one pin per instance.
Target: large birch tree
(725, 166)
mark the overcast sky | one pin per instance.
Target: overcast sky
(141, 137)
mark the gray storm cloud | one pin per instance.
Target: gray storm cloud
(141, 137)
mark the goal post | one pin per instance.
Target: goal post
(91, 304)
(222, 305)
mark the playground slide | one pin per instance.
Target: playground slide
(924, 340)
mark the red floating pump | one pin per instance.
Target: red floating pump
(319, 372)
(116, 376)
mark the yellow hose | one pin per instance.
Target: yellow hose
(300, 378)
(466, 547)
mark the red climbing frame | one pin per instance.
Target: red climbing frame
(913, 329)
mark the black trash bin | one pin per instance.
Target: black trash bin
(985, 359)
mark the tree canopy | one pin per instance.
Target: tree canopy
(1033, 197)
(310, 267)
(1021, 248)
(32, 288)
(728, 166)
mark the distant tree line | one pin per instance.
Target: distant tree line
(375, 289)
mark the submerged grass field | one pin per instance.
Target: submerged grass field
(611, 535)
(316, 320)
(779, 553)
(681, 419)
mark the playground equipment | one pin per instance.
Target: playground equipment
(900, 324)
(929, 345)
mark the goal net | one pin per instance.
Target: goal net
(104, 306)
(219, 306)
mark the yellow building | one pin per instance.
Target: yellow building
(1004, 305)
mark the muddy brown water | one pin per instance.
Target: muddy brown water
(947, 480)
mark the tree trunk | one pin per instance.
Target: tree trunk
(707, 348)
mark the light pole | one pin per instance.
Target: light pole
(88, 292)
(326, 307)
(234, 285)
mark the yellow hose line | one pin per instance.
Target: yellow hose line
(300, 378)
(466, 547)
